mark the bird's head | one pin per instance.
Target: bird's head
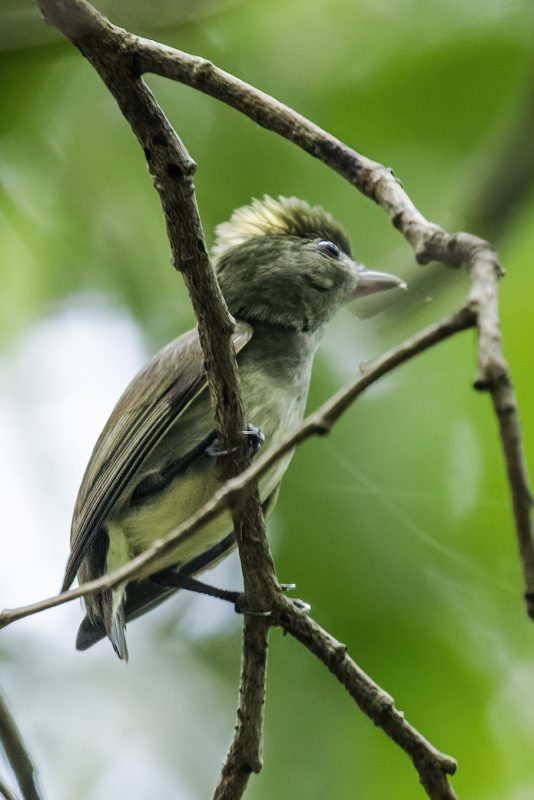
(285, 263)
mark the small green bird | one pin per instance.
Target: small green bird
(284, 268)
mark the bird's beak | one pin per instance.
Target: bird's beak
(369, 282)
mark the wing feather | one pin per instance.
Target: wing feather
(157, 396)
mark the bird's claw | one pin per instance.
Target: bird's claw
(301, 606)
(255, 442)
(257, 438)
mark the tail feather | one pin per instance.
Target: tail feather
(89, 633)
(93, 630)
(118, 633)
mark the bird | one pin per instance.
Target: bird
(285, 268)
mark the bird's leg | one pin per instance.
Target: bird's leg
(175, 579)
(256, 439)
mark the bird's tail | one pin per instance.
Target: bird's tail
(118, 633)
(109, 622)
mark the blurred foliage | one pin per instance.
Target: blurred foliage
(398, 529)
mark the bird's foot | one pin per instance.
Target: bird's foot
(255, 441)
(301, 606)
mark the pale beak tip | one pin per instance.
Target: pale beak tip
(371, 282)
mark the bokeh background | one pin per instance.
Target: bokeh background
(397, 529)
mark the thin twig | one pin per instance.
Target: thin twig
(6, 792)
(318, 423)
(431, 765)
(17, 755)
(494, 376)
(247, 740)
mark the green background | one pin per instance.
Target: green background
(398, 528)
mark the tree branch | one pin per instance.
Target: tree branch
(18, 757)
(431, 765)
(6, 792)
(245, 754)
(319, 423)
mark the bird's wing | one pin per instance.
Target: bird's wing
(157, 396)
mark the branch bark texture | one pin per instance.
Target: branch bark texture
(18, 757)
(6, 792)
(432, 766)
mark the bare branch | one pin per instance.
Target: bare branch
(6, 792)
(369, 177)
(431, 765)
(494, 376)
(245, 754)
(18, 757)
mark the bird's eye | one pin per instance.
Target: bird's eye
(328, 248)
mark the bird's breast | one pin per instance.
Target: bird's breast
(275, 407)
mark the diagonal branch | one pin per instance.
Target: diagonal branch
(494, 376)
(319, 423)
(18, 757)
(6, 792)
(432, 766)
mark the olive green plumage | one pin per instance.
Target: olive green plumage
(284, 269)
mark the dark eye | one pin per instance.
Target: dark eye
(328, 248)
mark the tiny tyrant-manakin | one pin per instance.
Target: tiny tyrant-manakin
(284, 268)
